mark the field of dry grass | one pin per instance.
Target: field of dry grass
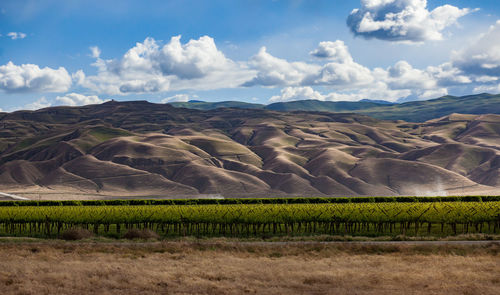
(221, 267)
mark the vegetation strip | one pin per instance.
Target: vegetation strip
(229, 201)
(258, 220)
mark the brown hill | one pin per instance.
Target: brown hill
(144, 149)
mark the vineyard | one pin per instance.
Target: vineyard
(257, 220)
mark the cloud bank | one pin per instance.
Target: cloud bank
(350, 80)
(149, 67)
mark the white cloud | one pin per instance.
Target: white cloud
(31, 78)
(179, 98)
(403, 76)
(346, 75)
(76, 99)
(433, 93)
(195, 59)
(448, 75)
(336, 51)
(342, 71)
(273, 71)
(431, 82)
(149, 67)
(402, 20)
(297, 93)
(95, 52)
(378, 90)
(78, 77)
(486, 79)
(16, 35)
(487, 88)
(38, 104)
(481, 58)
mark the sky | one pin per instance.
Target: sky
(71, 52)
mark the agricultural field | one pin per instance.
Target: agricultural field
(377, 245)
(282, 217)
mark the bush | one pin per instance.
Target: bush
(76, 233)
(143, 234)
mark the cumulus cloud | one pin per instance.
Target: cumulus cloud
(38, 104)
(402, 20)
(349, 74)
(336, 51)
(341, 71)
(179, 98)
(297, 93)
(149, 67)
(273, 71)
(76, 99)
(403, 76)
(482, 58)
(32, 78)
(16, 35)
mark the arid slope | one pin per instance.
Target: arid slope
(141, 149)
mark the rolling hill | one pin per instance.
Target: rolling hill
(144, 149)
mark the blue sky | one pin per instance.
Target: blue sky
(80, 52)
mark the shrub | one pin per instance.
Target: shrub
(76, 233)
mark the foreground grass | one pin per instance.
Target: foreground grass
(225, 266)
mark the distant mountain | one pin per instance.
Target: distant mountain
(323, 106)
(415, 111)
(420, 111)
(137, 148)
(202, 105)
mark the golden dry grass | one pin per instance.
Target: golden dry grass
(232, 268)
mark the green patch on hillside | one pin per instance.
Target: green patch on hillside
(105, 133)
(33, 142)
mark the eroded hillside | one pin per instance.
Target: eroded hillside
(140, 148)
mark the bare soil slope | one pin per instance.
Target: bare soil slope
(140, 149)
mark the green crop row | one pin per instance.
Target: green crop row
(337, 200)
(258, 219)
